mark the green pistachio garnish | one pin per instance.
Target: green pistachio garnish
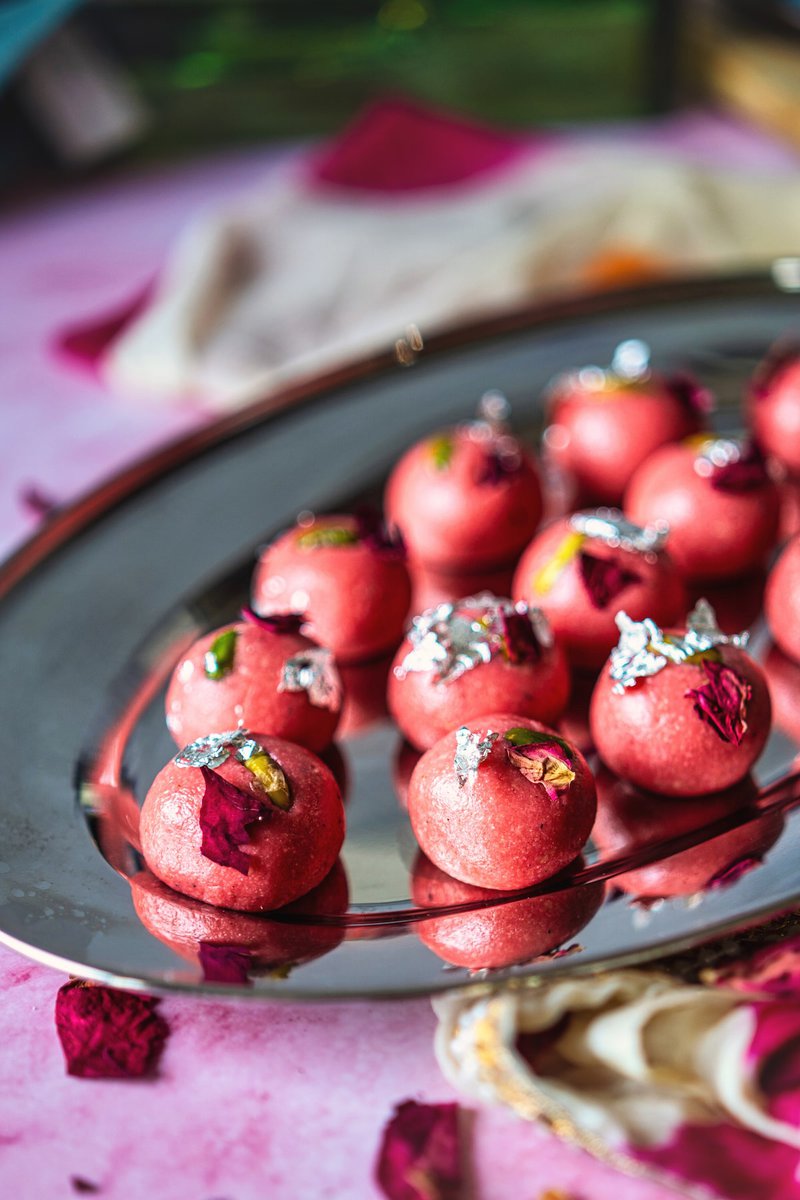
(327, 535)
(271, 777)
(218, 659)
(442, 449)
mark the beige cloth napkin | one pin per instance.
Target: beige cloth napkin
(297, 277)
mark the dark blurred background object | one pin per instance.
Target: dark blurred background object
(744, 56)
(159, 79)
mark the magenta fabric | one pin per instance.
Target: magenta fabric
(252, 1100)
(400, 146)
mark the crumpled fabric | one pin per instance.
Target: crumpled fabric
(628, 1062)
(303, 275)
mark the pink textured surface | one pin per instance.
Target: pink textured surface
(278, 1101)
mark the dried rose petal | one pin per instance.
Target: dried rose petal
(225, 814)
(106, 1033)
(520, 642)
(375, 533)
(603, 578)
(224, 964)
(84, 1187)
(501, 460)
(541, 757)
(774, 969)
(722, 701)
(420, 1153)
(37, 501)
(286, 622)
(746, 473)
(698, 400)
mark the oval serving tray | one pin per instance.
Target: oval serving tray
(96, 607)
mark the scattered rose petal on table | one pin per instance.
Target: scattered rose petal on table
(37, 501)
(84, 1187)
(420, 1154)
(106, 1033)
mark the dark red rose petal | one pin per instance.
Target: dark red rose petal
(374, 532)
(84, 1187)
(695, 398)
(722, 701)
(224, 964)
(37, 501)
(603, 578)
(420, 1154)
(106, 1033)
(519, 637)
(501, 461)
(287, 622)
(225, 814)
(747, 473)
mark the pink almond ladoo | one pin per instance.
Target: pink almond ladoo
(604, 422)
(502, 802)
(719, 501)
(582, 569)
(461, 660)
(243, 821)
(774, 405)
(349, 577)
(782, 600)
(467, 497)
(680, 713)
(261, 673)
(502, 934)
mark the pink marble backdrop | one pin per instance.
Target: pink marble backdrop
(253, 1101)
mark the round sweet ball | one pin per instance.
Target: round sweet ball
(233, 947)
(465, 498)
(261, 673)
(683, 713)
(346, 575)
(717, 498)
(243, 821)
(630, 820)
(603, 423)
(502, 802)
(481, 654)
(782, 600)
(504, 934)
(583, 568)
(774, 405)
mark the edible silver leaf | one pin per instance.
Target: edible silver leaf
(644, 650)
(211, 750)
(314, 673)
(608, 525)
(471, 750)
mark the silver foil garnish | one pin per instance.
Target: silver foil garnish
(453, 638)
(610, 526)
(215, 748)
(644, 650)
(495, 410)
(471, 750)
(630, 363)
(314, 673)
(718, 452)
